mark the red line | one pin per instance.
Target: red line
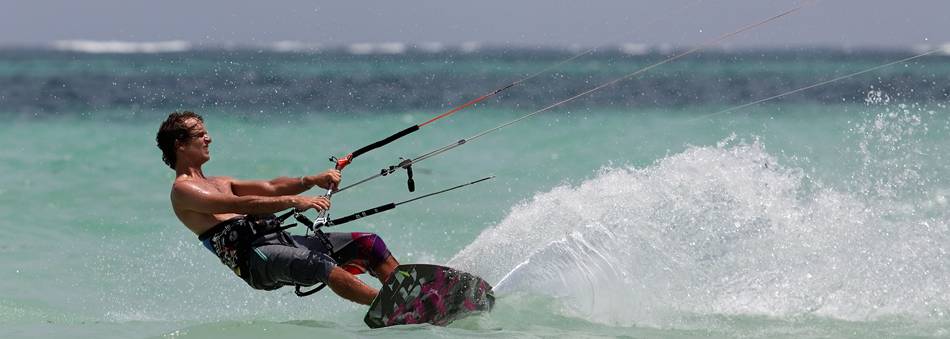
(456, 109)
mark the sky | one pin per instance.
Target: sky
(848, 23)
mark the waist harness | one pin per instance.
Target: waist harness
(231, 240)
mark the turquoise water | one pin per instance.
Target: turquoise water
(791, 219)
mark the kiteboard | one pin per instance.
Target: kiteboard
(421, 293)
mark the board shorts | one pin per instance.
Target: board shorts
(268, 258)
(281, 259)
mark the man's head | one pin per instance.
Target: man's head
(183, 135)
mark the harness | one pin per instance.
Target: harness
(232, 242)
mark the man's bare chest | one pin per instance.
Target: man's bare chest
(216, 185)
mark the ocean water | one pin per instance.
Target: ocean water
(631, 213)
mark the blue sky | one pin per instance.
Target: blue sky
(528, 22)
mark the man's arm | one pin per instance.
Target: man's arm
(284, 185)
(189, 196)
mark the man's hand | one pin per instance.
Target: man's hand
(326, 179)
(303, 203)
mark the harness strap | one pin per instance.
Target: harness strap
(231, 240)
(298, 289)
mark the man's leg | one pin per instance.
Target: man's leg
(275, 261)
(358, 252)
(346, 285)
(385, 268)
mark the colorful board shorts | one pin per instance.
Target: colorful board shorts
(277, 259)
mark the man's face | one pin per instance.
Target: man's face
(196, 147)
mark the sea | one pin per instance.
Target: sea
(651, 208)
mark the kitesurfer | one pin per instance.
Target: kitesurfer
(234, 219)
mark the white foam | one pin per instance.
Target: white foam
(943, 49)
(361, 48)
(294, 46)
(92, 46)
(365, 48)
(715, 230)
(391, 48)
(634, 49)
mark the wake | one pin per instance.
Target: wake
(723, 230)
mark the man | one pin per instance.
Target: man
(234, 219)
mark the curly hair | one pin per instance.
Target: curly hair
(174, 129)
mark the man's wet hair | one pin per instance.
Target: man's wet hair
(174, 129)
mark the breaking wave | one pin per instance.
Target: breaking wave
(729, 230)
(93, 46)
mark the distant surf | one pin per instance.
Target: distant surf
(123, 47)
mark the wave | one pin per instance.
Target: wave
(380, 48)
(944, 49)
(724, 230)
(294, 46)
(92, 46)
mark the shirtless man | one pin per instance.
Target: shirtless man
(234, 219)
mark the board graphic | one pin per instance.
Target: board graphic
(433, 294)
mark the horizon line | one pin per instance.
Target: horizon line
(632, 48)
